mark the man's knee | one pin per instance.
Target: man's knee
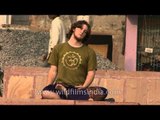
(49, 95)
(45, 94)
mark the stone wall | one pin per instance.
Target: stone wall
(134, 87)
(112, 25)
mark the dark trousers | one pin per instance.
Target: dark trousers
(72, 93)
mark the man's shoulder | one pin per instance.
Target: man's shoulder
(90, 49)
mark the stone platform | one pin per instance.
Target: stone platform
(25, 84)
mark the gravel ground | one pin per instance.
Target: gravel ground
(25, 48)
(22, 47)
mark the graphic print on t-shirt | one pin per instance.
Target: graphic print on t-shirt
(71, 60)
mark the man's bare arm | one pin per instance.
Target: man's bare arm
(52, 74)
(88, 81)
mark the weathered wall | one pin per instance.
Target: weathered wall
(112, 25)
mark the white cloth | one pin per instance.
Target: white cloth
(57, 33)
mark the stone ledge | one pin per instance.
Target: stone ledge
(9, 101)
(123, 86)
(4, 101)
(80, 102)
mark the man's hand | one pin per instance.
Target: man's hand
(62, 88)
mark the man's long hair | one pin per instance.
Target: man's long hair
(79, 25)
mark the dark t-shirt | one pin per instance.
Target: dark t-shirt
(73, 63)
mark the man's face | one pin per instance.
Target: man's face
(80, 32)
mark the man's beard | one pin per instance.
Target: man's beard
(78, 39)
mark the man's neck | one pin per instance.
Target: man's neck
(74, 43)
